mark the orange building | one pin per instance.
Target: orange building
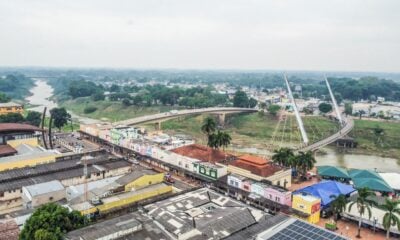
(11, 107)
(258, 168)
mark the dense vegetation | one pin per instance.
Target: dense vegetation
(51, 222)
(15, 86)
(31, 117)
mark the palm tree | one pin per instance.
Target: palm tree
(306, 161)
(363, 203)
(338, 205)
(392, 207)
(213, 141)
(283, 156)
(225, 139)
(209, 126)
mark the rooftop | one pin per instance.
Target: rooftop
(203, 214)
(6, 150)
(65, 169)
(149, 230)
(8, 230)
(293, 229)
(10, 104)
(202, 153)
(18, 127)
(257, 165)
(42, 188)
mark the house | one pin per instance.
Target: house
(308, 205)
(42, 193)
(19, 146)
(257, 168)
(209, 170)
(11, 107)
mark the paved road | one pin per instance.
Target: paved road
(348, 126)
(178, 113)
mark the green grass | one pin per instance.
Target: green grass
(387, 144)
(111, 111)
(254, 130)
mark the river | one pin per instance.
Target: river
(40, 98)
(331, 156)
(42, 92)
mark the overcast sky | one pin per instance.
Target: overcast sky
(349, 35)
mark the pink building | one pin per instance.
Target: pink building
(278, 195)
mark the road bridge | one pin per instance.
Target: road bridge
(346, 127)
(159, 117)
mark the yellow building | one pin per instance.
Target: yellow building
(29, 153)
(124, 199)
(142, 179)
(309, 205)
(11, 107)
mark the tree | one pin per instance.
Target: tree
(348, 108)
(305, 162)
(240, 99)
(98, 96)
(11, 118)
(363, 203)
(126, 102)
(325, 107)
(115, 88)
(338, 205)
(4, 98)
(224, 139)
(33, 118)
(252, 103)
(51, 221)
(60, 117)
(361, 113)
(209, 126)
(283, 156)
(273, 109)
(391, 208)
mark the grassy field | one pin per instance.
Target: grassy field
(111, 111)
(254, 130)
(386, 144)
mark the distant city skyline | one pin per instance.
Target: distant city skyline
(302, 35)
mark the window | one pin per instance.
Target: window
(1, 194)
(277, 199)
(232, 182)
(51, 198)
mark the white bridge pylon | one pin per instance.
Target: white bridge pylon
(335, 106)
(297, 114)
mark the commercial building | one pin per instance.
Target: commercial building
(129, 226)
(11, 107)
(309, 205)
(65, 169)
(42, 193)
(203, 214)
(326, 190)
(19, 147)
(257, 168)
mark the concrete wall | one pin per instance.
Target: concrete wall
(29, 141)
(39, 200)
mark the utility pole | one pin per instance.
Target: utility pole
(296, 112)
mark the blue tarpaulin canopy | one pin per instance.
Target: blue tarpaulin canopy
(325, 189)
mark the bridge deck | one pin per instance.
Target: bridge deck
(178, 113)
(347, 127)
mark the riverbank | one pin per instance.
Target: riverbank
(111, 111)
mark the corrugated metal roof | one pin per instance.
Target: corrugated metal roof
(46, 187)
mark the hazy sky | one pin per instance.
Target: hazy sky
(218, 34)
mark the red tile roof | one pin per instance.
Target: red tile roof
(257, 165)
(202, 153)
(9, 230)
(18, 127)
(7, 150)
